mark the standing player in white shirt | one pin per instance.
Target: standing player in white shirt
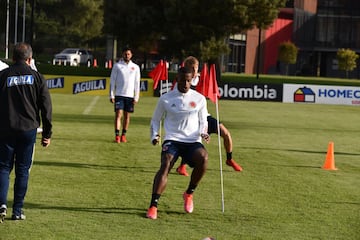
(124, 92)
(184, 111)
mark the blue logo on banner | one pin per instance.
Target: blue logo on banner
(92, 85)
(55, 83)
(337, 93)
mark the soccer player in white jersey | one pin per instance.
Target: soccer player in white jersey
(124, 92)
(184, 112)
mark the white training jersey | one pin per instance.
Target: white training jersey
(185, 116)
(195, 80)
(125, 80)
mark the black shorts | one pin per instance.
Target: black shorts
(212, 125)
(124, 103)
(184, 150)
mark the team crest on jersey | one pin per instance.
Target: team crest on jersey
(192, 104)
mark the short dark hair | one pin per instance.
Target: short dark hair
(22, 52)
(182, 71)
(185, 70)
(126, 48)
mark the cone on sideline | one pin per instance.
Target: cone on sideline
(95, 63)
(329, 163)
(108, 64)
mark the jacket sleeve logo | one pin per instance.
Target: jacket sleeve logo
(20, 80)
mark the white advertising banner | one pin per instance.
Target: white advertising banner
(322, 94)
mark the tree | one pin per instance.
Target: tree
(261, 13)
(134, 23)
(210, 49)
(287, 54)
(67, 23)
(346, 60)
(180, 26)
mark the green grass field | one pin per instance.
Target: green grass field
(84, 186)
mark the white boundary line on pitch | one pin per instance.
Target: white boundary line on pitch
(91, 105)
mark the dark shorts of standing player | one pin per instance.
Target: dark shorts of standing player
(124, 103)
(212, 125)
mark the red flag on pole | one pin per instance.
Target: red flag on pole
(213, 90)
(159, 73)
(207, 85)
(203, 80)
(164, 73)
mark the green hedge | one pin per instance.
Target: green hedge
(226, 77)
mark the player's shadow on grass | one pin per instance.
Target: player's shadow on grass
(141, 212)
(139, 169)
(82, 118)
(302, 151)
(104, 210)
(95, 166)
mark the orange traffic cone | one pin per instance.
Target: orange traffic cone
(110, 63)
(95, 63)
(329, 163)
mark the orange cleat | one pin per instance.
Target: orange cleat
(182, 170)
(188, 202)
(152, 213)
(233, 164)
(117, 139)
(123, 139)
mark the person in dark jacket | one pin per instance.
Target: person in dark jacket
(24, 102)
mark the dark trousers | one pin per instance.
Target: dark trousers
(16, 149)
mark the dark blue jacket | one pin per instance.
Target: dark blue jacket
(24, 100)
